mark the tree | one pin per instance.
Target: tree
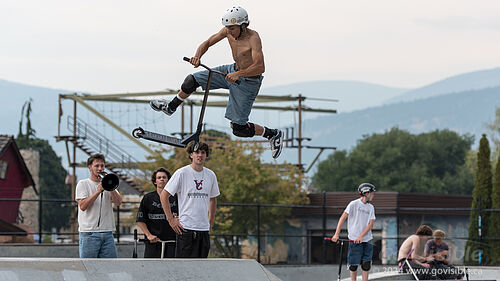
(480, 195)
(494, 222)
(52, 175)
(494, 127)
(30, 132)
(243, 178)
(433, 162)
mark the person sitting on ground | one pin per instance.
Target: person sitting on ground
(438, 249)
(416, 261)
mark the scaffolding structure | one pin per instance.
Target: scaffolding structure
(82, 138)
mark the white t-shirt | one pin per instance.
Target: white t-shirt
(88, 220)
(360, 215)
(194, 190)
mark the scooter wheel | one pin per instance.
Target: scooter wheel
(137, 133)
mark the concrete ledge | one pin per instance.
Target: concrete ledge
(125, 250)
(57, 269)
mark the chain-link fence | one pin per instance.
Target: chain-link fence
(289, 234)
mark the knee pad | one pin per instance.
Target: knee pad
(189, 85)
(366, 265)
(244, 131)
(353, 267)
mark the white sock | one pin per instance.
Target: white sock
(179, 97)
(263, 132)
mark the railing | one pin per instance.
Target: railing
(260, 237)
(93, 139)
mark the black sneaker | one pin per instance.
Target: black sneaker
(277, 144)
(161, 105)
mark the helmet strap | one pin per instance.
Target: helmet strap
(241, 31)
(366, 195)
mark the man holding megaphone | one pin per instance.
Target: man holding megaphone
(95, 211)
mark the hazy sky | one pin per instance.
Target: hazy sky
(128, 46)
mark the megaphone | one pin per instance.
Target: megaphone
(109, 181)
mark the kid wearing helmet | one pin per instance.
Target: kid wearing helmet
(360, 215)
(246, 48)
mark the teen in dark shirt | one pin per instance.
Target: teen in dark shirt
(151, 218)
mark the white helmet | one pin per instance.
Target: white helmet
(235, 15)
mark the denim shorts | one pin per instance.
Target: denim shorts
(359, 252)
(241, 97)
(97, 245)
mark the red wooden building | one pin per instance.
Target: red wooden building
(14, 178)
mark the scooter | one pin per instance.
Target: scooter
(134, 254)
(341, 241)
(182, 143)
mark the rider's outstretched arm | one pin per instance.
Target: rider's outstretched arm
(202, 49)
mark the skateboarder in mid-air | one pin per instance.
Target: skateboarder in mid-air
(249, 65)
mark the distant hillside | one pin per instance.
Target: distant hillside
(44, 115)
(352, 95)
(465, 112)
(459, 83)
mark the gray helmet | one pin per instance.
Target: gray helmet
(365, 188)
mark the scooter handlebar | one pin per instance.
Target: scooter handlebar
(330, 239)
(209, 69)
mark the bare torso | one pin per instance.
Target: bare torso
(246, 50)
(242, 49)
(411, 242)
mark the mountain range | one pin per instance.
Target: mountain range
(463, 82)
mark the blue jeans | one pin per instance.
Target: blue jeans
(241, 97)
(97, 245)
(359, 252)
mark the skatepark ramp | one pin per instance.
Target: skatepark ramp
(63, 269)
(474, 273)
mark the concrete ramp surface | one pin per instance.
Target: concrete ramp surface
(58, 269)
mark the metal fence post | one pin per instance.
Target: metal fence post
(118, 224)
(324, 227)
(397, 219)
(40, 209)
(258, 230)
(479, 231)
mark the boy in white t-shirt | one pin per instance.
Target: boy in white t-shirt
(361, 215)
(95, 213)
(197, 189)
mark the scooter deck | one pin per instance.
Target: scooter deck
(156, 137)
(182, 143)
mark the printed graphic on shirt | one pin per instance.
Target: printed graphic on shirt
(364, 211)
(197, 195)
(199, 184)
(156, 216)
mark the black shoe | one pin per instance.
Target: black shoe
(277, 144)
